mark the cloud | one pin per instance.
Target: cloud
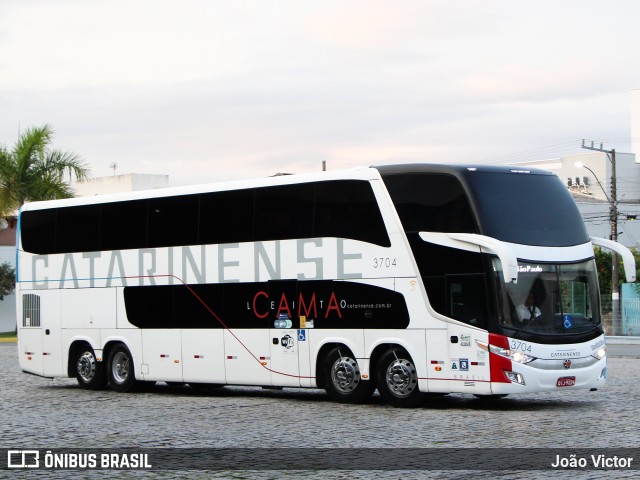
(205, 90)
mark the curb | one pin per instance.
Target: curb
(622, 340)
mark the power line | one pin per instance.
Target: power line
(536, 150)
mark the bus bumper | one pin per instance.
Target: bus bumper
(535, 378)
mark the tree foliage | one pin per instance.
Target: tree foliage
(33, 171)
(7, 280)
(603, 265)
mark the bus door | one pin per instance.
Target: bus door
(51, 338)
(285, 337)
(468, 362)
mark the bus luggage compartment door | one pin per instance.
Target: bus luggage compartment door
(285, 351)
(51, 334)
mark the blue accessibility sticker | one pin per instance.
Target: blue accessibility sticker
(302, 335)
(464, 364)
(568, 321)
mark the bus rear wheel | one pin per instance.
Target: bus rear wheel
(397, 379)
(120, 369)
(89, 372)
(342, 380)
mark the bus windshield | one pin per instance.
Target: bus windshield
(539, 209)
(550, 298)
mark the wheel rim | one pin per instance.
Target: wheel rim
(120, 367)
(86, 366)
(345, 374)
(401, 378)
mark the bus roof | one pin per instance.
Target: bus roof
(359, 173)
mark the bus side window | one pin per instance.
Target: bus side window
(284, 212)
(348, 209)
(226, 217)
(120, 217)
(467, 298)
(38, 233)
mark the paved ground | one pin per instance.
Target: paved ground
(40, 413)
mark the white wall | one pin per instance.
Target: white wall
(627, 173)
(635, 123)
(120, 183)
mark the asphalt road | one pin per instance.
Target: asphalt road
(55, 414)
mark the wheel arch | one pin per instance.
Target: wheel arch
(382, 347)
(111, 344)
(75, 346)
(322, 355)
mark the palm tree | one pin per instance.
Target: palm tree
(33, 171)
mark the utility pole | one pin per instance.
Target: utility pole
(613, 220)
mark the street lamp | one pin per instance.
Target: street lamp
(582, 165)
(613, 220)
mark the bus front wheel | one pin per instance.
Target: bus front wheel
(397, 379)
(342, 379)
(120, 369)
(89, 372)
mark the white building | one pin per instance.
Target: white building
(635, 123)
(590, 185)
(131, 182)
(588, 177)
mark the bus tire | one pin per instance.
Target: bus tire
(341, 377)
(90, 373)
(397, 379)
(120, 369)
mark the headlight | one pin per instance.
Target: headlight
(600, 353)
(518, 357)
(515, 377)
(521, 357)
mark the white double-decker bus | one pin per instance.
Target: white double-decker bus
(408, 279)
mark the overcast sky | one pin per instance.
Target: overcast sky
(206, 90)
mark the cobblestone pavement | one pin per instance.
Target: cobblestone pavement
(47, 414)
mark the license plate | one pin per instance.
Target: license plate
(566, 382)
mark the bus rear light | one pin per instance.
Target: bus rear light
(515, 377)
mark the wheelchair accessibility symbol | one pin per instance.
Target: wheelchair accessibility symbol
(568, 321)
(302, 335)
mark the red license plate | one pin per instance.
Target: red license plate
(566, 382)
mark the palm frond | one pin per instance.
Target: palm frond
(31, 171)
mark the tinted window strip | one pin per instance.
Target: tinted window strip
(353, 214)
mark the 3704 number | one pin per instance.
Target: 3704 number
(520, 346)
(384, 262)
